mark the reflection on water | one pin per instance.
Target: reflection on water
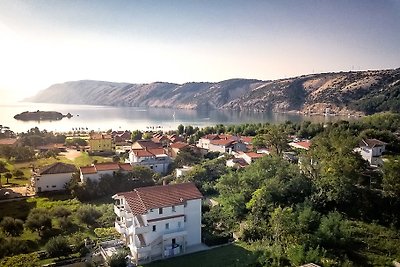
(106, 117)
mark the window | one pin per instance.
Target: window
(53, 186)
(184, 218)
(154, 228)
(160, 211)
(37, 179)
(173, 208)
(167, 226)
(179, 224)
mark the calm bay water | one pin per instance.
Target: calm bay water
(131, 118)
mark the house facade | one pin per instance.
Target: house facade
(100, 143)
(159, 220)
(371, 150)
(156, 159)
(53, 177)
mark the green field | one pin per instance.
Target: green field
(26, 167)
(230, 255)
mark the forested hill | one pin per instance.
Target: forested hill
(343, 92)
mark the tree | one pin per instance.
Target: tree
(117, 259)
(38, 220)
(186, 156)
(88, 215)
(3, 167)
(333, 167)
(181, 128)
(8, 175)
(58, 246)
(11, 226)
(391, 177)
(136, 135)
(60, 211)
(273, 136)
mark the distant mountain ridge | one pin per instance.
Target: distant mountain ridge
(341, 93)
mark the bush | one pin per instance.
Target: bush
(39, 220)
(214, 239)
(117, 259)
(88, 215)
(60, 211)
(11, 226)
(58, 246)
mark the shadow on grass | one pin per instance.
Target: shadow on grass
(17, 209)
(229, 255)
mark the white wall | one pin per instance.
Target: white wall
(52, 182)
(193, 221)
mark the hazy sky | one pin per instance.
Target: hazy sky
(46, 42)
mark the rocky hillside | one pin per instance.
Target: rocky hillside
(344, 92)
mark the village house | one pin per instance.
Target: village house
(305, 145)
(100, 143)
(121, 136)
(222, 143)
(96, 171)
(182, 171)
(8, 142)
(53, 177)
(154, 158)
(371, 150)
(174, 148)
(159, 221)
(146, 144)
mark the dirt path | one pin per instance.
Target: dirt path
(71, 154)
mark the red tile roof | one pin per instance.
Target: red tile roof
(142, 153)
(107, 166)
(148, 144)
(302, 144)
(125, 166)
(372, 143)
(254, 155)
(156, 151)
(8, 141)
(222, 142)
(247, 139)
(179, 145)
(88, 170)
(140, 200)
(58, 167)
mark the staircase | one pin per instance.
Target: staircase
(141, 239)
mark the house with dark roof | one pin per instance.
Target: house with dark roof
(371, 150)
(159, 221)
(95, 171)
(53, 177)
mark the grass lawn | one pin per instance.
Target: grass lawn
(230, 255)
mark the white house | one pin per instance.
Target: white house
(371, 150)
(155, 159)
(96, 171)
(53, 177)
(159, 221)
(182, 171)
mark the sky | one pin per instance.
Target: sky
(45, 42)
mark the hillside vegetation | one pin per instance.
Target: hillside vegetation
(343, 93)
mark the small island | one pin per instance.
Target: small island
(41, 116)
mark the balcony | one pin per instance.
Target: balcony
(119, 211)
(139, 229)
(120, 227)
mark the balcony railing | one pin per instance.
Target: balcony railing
(120, 227)
(119, 211)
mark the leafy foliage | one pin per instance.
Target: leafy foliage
(11, 226)
(58, 246)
